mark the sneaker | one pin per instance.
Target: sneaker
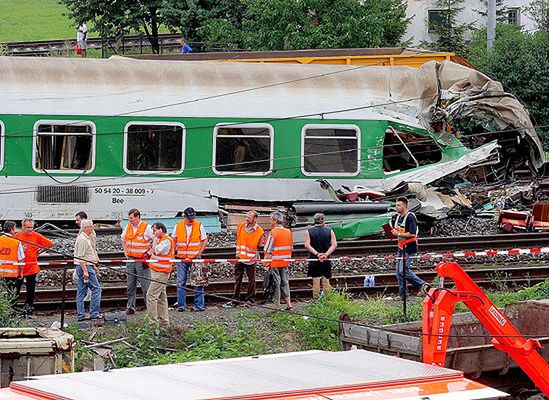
(98, 316)
(195, 309)
(181, 309)
(228, 305)
(425, 288)
(130, 311)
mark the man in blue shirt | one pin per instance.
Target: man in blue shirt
(185, 48)
(405, 228)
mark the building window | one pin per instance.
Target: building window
(437, 18)
(406, 150)
(243, 149)
(64, 146)
(333, 150)
(513, 16)
(154, 148)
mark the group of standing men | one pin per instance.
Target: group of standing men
(188, 241)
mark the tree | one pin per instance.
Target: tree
(501, 10)
(188, 16)
(311, 24)
(450, 33)
(538, 10)
(520, 61)
(114, 18)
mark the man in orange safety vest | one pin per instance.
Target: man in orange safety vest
(278, 248)
(190, 241)
(11, 252)
(136, 240)
(249, 236)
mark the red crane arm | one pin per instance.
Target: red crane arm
(438, 309)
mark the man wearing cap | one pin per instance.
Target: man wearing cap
(190, 240)
(321, 243)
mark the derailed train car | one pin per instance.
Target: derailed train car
(109, 135)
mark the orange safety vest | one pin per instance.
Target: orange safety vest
(282, 247)
(190, 248)
(247, 243)
(134, 242)
(163, 266)
(9, 251)
(402, 229)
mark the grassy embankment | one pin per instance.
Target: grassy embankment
(26, 20)
(252, 333)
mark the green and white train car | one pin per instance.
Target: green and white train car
(109, 135)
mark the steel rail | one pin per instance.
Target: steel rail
(381, 246)
(385, 283)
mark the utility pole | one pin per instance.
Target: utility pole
(491, 28)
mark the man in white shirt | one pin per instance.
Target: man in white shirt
(85, 259)
(136, 241)
(81, 39)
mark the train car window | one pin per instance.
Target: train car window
(406, 150)
(333, 150)
(243, 149)
(157, 148)
(63, 146)
(1, 145)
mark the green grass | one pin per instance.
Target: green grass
(272, 332)
(26, 20)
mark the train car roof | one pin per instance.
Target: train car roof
(356, 374)
(386, 56)
(119, 86)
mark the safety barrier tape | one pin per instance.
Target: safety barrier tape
(427, 256)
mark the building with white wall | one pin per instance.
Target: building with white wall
(422, 12)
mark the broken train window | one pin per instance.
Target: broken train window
(64, 146)
(245, 149)
(406, 150)
(331, 150)
(154, 147)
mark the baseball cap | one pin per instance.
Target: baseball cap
(189, 213)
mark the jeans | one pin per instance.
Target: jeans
(182, 273)
(82, 289)
(415, 280)
(136, 271)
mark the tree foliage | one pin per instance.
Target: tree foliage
(450, 33)
(115, 18)
(501, 10)
(520, 61)
(538, 10)
(310, 24)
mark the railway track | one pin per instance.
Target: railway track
(385, 283)
(167, 41)
(381, 246)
